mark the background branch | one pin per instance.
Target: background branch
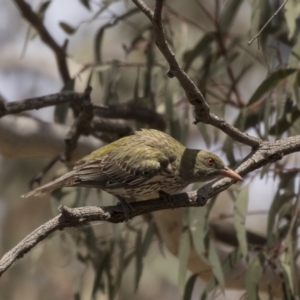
(24, 136)
(37, 23)
(16, 107)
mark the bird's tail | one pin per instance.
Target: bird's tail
(65, 180)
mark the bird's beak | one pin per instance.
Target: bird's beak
(231, 174)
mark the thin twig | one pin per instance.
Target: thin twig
(37, 23)
(272, 17)
(81, 125)
(193, 94)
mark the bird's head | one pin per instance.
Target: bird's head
(209, 166)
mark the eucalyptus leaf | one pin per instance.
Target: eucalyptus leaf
(204, 134)
(42, 9)
(240, 214)
(284, 123)
(189, 287)
(200, 231)
(86, 4)
(254, 273)
(139, 259)
(216, 265)
(284, 194)
(287, 263)
(270, 82)
(228, 14)
(184, 252)
(67, 28)
(199, 49)
(142, 247)
(228, 264)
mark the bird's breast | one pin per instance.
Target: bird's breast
(149, 189)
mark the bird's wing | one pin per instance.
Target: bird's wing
(117, 170)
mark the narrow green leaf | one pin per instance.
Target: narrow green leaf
(215, 264)
(254, 272)
(111, 80)
(199, 230)
(261, 12)
(228, 149)
(184, 252)
(228, 14)
(204, 134)
(286, 292)
(267, 113)
(136, 87)
(189, 287)
(269, 83)
(285, 193)
(278, 202)
(201, 241)
(142, 247)
(139, 260)
(42, 9)
(231, 260)
(227, 265)
(147, 240)
(285, 211)
(240, 214)
(286, 260)
(264, 170)
(174, 123)
(289, 116)
(86, 4)
(67, 28)
(291, 12)
(199, 49)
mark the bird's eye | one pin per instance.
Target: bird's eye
(210, 161)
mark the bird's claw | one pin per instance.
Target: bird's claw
(126, 207)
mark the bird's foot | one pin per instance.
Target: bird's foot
(167, 197)
(126, 207)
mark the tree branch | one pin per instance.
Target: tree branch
(37, 23)
(81, 125)
(132, 111)
(44, 101)
(268, 152)
(194, 96)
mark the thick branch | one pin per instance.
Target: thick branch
(131, 111)
(127, 111)
(116, 126)
(37, 23)
(41, 102)
(267, 153)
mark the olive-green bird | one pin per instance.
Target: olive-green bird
(140, 166)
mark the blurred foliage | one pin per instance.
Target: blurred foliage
(209, 39)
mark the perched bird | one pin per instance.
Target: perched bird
(140, 166)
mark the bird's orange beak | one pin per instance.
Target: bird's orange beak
(231, 174)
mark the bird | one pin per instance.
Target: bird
(141, 166)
